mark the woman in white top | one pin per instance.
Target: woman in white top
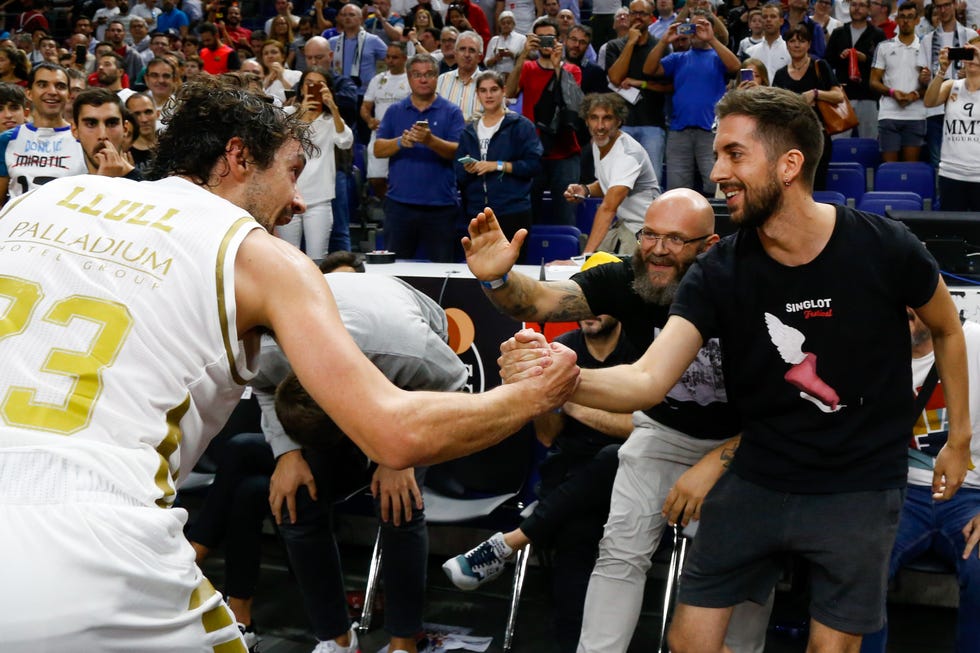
(959, 163)
(276, 78)
(317, 182)
(505, 47)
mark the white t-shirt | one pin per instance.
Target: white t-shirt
(898, 61)
(384, 90)
(935, 419)
(317, 182)
(628, 164)
(514, 42)
(484, 134)
(524, 14)
(945, 40)
(774, 55)
(961, 135)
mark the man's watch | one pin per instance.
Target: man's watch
(500, 166)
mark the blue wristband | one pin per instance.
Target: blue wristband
(496, 283)
(399, 142)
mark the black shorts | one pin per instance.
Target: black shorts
(846, 539)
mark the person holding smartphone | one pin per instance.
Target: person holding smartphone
(317, 182)
(420, 136)
(959, 162)
(497, 158)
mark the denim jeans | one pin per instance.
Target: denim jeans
(689, 150)
(937, 526)
(653, 140)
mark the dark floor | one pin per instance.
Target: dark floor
(279, 612)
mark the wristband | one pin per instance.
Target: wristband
(500, 166)
(496, 283)
(643, 85)
(891, 92)
(588, 193)
(399, 142)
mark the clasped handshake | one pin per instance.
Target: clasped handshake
(528, 355)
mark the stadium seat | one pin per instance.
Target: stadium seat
(550, 247)
(848, 182)
(882, 201)
(829, 197)
(861, 150)
(913, 176)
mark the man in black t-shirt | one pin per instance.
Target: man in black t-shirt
(576, 483)
(679, 447)
(809, 300)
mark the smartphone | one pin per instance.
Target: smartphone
(314, 90)
(466, 160)
(422, 123)
(686, 29)
(961, 54)
(746, 75)
(80, 53)
(546, 41)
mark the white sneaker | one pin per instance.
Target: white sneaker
(330, 646)
(478, 565)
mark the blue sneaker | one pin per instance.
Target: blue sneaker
(478, 565)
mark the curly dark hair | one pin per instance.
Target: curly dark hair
(612, 102)
(205, 114)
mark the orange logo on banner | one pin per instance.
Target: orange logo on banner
(461, 330)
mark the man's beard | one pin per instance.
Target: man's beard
(758, 207)
(646, 289)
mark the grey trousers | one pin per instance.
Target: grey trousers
(650, 462)
(689, 150)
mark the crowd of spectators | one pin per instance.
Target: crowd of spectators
(670, 64)
(461, 106)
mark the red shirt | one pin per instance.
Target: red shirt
(216, 61)
(239, 34)
(93, 80)
(889, 27)
(533, 80)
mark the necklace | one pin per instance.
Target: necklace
(805, 64)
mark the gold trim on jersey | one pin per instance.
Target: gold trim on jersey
(219, 272)
(14, 202)
(166, 449)
(216, 618)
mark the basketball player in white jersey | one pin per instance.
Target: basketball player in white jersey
(130, 314)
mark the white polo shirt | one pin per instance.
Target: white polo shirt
(902, 74)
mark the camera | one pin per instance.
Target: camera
(685, 29)
(546, 41)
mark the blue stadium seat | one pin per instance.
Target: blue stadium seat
(862, 150)
(882, 201)
(839, 165)
(585, 214)
(829, 197)
(848, 182)
(550, 247)
(913, 176)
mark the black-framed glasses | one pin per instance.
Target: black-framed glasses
(671, 242)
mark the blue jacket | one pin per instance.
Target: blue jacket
(516, 142)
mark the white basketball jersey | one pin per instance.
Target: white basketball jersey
(117, 328)
(33, 156)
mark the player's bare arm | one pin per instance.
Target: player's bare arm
(278, 288)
